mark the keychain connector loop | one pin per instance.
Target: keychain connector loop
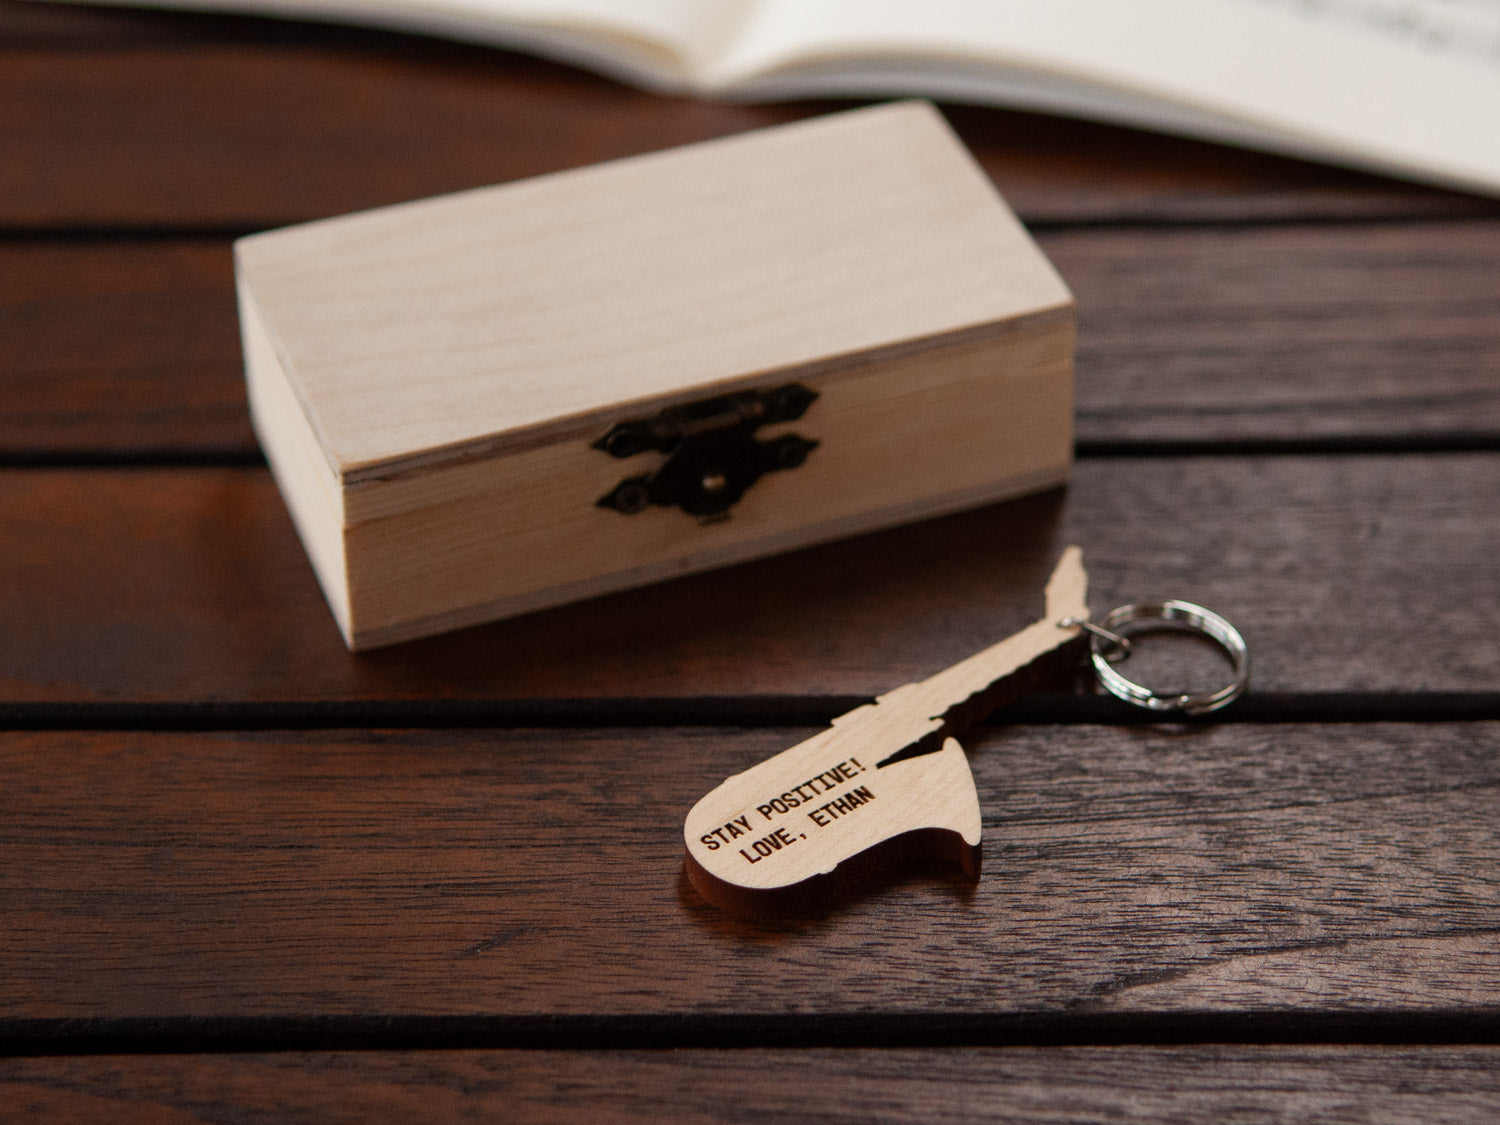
(1172, 615)
(1121, 645)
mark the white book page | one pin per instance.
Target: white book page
(1409, 87)
(664, 43)
(1465, 29)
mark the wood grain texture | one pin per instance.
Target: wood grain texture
(1231, 1084)
(518, 874)
(801, 815)
(809, 841)
(169, 120)
(457, 327)
(430, 380)
(1347, 333)
(188, 586)
(176, 890)
(128, 349)
(254, 135)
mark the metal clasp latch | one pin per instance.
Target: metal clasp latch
(713, 455)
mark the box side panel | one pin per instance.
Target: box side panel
(900, 439)
(308, 486)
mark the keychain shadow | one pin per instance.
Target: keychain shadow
(931, 857)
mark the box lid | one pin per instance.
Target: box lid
(472, 323)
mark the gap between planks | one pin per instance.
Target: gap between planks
(212, 457)
(111, 233)
(752, 712)
(740, 1031)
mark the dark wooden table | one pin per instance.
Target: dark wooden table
(248, 876)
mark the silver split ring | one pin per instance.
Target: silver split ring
(1105, 642)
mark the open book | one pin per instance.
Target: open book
(1408, 87)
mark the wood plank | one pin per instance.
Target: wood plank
(190, 882)
(1346, 574)
(1117, 1084)
(1351, 334)
(128, 350)
(304, 123)
(1347, 333)
(56, 25)
(254, 135)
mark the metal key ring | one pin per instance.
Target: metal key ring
(1105, 641)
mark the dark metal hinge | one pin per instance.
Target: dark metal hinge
(713, 455)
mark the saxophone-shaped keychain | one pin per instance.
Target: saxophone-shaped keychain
(889, 780)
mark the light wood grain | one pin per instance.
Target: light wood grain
(315, 501)
(455, 360)
(457, 545)
(455, 325)
(190, 588)
(507, 875)
(816, 806)
(1398, 1085)
(785, 835)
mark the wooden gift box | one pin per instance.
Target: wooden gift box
(508, 398)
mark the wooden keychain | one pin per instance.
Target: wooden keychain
(889, 780)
